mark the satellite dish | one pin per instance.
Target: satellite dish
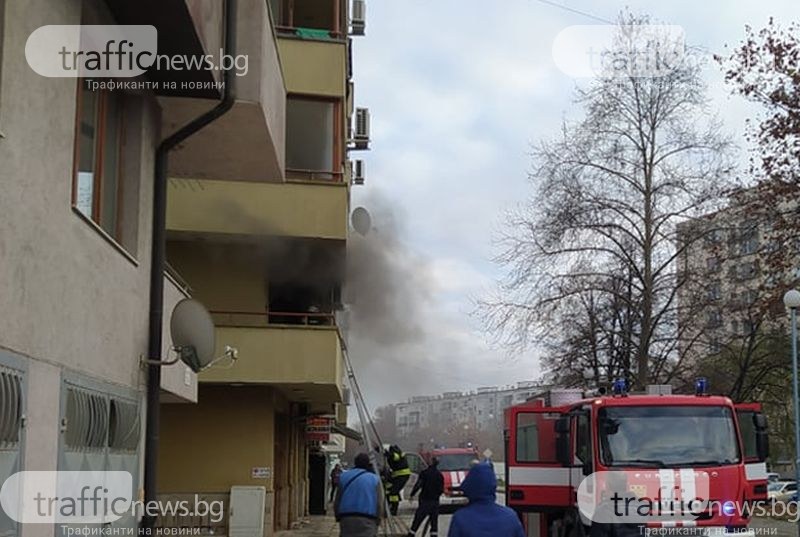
(361, 220)
(193, 334)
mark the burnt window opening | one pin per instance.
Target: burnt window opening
(300, 303)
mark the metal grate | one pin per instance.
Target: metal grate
(10, 407)
(87, 420)
(124, 426)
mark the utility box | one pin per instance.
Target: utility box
(246, 515)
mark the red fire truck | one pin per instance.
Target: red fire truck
(659, 441)
(454, 463)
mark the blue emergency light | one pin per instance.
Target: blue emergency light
(701, 386)
(620, 387)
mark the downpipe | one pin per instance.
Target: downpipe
(158, 265)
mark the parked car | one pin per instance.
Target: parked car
(773, 477)
(782, 490)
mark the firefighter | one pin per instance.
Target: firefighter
(398, 473)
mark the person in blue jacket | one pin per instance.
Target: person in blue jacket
(359, 500)
(483, 517)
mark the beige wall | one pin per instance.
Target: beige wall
(244, 208)
(224, 277)
(229, 431)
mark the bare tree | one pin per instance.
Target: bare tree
(764, 69)
(608, 194)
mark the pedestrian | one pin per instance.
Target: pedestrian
(335, 474)
(483, 517)
(359, 500)
(430, 485)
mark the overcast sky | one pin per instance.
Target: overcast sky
(458, 89)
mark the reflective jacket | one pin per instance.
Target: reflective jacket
(398, 462)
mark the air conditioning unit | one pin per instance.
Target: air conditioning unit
(357, 172)
(358, 18)
(361, 130)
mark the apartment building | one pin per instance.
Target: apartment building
(76, 204)
(479, 410)
(257, 226)
(737, 263)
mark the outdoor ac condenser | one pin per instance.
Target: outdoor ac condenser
(358, 18)
(361, 131)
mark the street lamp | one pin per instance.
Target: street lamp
(792, 301)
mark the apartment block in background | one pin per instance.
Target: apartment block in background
(737, 263)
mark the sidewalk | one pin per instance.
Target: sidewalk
(314, 526)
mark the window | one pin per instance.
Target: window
(746, 271)
(714, 236)
(324, 16)
(714, 319)
(714, 346)
(583, 439)
(97, 185)
(313, 139)
(712, 264)
(714, 291)
(534, 430)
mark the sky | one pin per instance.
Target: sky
(458, 90)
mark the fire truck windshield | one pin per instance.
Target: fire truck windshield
(455, 461)
(667, 436)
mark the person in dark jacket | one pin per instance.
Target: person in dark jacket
(359, 500)
(336, 473)
(431, 484)
(483, 517)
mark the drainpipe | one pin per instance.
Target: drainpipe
(158, 263)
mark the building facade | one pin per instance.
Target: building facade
(258, 226)
(734, 266)
(76, 204)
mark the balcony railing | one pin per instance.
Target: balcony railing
(314, 175)
(272, 318)
(322, 34)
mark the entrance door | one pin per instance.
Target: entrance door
(316, 483)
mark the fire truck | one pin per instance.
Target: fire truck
(561, 444)
(454, 463)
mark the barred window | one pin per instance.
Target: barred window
(124, 426)
(87, 421)
(10, 407)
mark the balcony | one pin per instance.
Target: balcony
(248, 142)
(312, 67)
(238, 208)
(300, 354)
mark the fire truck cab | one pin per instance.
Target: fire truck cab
(660, 442)
(454, 463)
